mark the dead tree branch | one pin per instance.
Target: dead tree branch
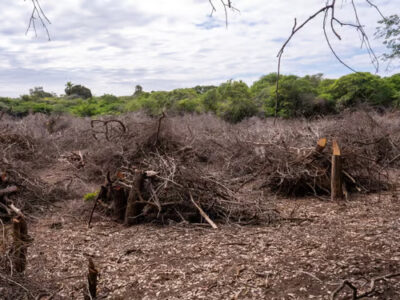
(159, 128)
(329, 21)
(227, 5)
(108, 129)
(8, 190)
(369, 293)
(38, 15)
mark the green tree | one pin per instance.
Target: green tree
(180, 94)
(394, 82)
(357, 88)
(78, 90)
(296, 97)
(68, 86)
(315, 80)
(202, 89)
(210, 100)
(155, 103)
(138, 91)
(38, 92)
(390, 31)
(235, 102)
(265, 82)
(189, 105)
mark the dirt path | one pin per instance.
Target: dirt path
(305, 259)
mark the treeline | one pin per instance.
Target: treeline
(233, 101)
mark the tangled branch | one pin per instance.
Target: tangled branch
(107, 129)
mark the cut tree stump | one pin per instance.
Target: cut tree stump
(118, 199)
(92, 275)
(132, 209)
(336, 174)
(20, 244)
(321, 145)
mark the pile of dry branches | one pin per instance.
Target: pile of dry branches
(18, 186)
(369, 148)
(22, 154)
(173, 165)
(160, 175)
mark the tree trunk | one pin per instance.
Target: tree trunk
(20, 245)
(92, 281)
(119, 202)
(132, 207)
(336, 174)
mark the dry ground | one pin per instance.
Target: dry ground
(306, 258)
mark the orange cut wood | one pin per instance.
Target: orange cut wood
(336, 148)
(321, 145)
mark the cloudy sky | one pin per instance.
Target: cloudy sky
(110, 46)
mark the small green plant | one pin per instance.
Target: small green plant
(90, 196)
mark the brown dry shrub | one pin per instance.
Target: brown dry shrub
(219, 163)
(26, 148)
(212, 159)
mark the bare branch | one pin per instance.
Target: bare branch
(38, 15)
(295, 29)
(331, 47)
(329, 16)
(369, 293)
(213, 9)
(226, 5)
(376, 7)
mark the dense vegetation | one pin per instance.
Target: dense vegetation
(233, 100)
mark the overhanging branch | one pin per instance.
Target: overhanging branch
(329, 17)
(226, 4)
(38, 15)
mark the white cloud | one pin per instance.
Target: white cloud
(111, 46)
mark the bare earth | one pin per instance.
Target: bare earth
(306, 258)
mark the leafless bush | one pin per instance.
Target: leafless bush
(368, 144)
(219, 164)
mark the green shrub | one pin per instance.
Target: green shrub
(190, 105)
(85, 109)
(90, 196)
(233, 100)
(38, 92)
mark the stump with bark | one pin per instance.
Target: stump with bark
(92, 276)
(20, 244)
(133, 208)
(336, 173)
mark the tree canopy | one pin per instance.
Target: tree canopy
(390, 31)
(77, 90)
